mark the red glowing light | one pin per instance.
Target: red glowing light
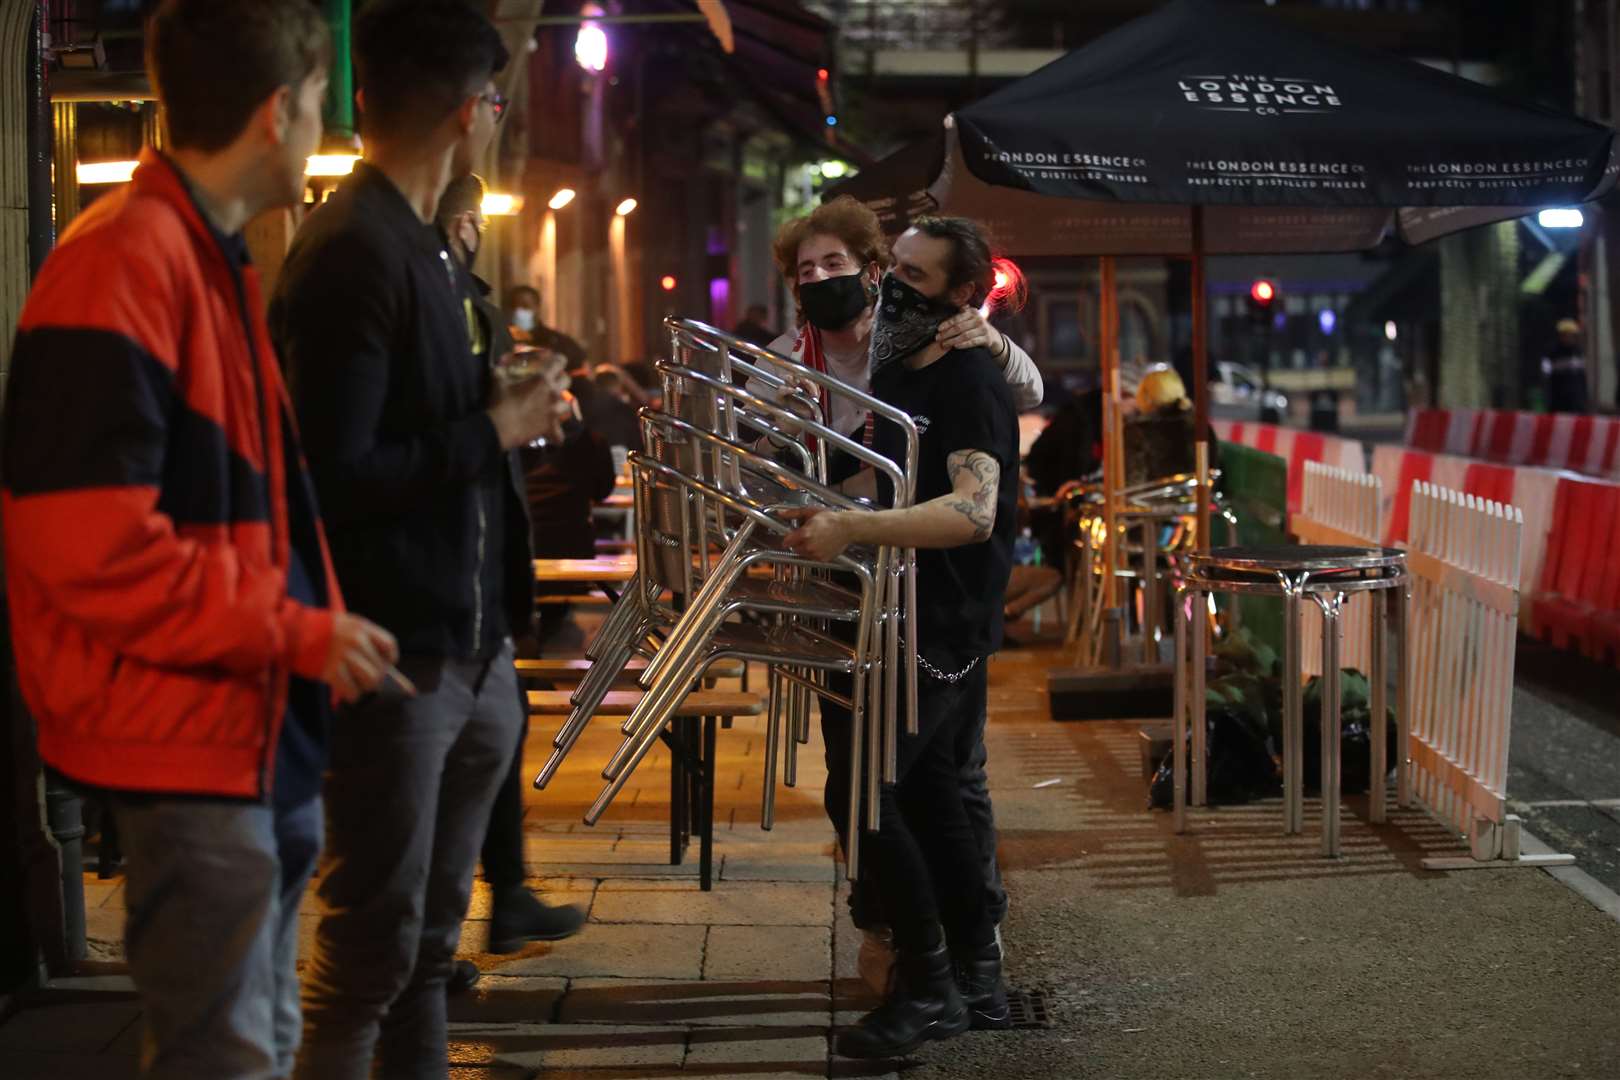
(667, 282)
(1010, 291)
(823, 74)
(1263, 291)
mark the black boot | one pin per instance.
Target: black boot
(925, 1005)
(517, 915)
(463, 977)
(978, 977)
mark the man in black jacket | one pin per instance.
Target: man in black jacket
(410, 441)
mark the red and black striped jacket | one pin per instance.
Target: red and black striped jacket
(145, 506)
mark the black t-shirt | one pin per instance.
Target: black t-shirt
(959, 402)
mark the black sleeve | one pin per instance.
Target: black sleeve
(337, 315)
(559, 342)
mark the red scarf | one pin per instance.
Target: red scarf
(813, 356)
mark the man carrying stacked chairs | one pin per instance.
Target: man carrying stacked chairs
(732, 527)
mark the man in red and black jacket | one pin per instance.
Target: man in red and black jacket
(173, 607)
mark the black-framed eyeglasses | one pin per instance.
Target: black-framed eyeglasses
(497, 103)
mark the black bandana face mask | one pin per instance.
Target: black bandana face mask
(833, 303)
(905, 321)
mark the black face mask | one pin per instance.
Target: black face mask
(833, 303)
(906, 321)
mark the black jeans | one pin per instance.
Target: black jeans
(865, 900)
(502, 853)
(933, 864)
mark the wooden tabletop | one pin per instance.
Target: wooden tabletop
(621, 702)
(603, 568)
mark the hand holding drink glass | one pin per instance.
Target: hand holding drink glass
(530, 398)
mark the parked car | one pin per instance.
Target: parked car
(1236, 393)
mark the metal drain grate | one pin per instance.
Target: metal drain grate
(1029, 1009)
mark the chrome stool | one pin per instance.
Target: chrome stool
(1295, 572)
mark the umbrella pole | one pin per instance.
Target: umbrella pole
(1113, 456)
(1200, 373)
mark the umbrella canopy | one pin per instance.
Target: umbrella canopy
(1291, 143)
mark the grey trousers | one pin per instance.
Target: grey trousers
(407, 798)
(211, 892)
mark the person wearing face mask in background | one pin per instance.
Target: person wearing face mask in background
(523, 321)
(832, 259)
(516, 914)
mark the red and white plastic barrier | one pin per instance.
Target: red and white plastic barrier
(1533, 490)
(1295, 447)
(1581, 443)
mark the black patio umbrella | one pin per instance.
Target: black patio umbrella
(1204, 110)
(1205, 129)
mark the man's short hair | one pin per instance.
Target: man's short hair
(416, 61)
(213, 62)
(465, 194)
(519, 293)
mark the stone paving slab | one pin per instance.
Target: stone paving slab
(625, 951)
(507, 999)
(570, 1046)
(44, 1065)
(742, 903)
(767, 952)
(791, 1051)
(75, 1026)
(753, 1003)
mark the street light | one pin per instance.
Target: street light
(1561, 217)
(626, 208)
(563, 197)
(591, 44)
(1391, 332)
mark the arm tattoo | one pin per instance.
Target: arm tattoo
(981, 475)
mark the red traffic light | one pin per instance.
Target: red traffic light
(1262, 292)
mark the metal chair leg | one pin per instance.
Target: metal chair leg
(1200, 763)
(1293, 722)
(1178, 722)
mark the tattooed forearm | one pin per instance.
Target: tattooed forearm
(975, 477)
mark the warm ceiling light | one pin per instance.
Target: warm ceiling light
(626, 208)
(563, 197)
(498, 204)
(330, 164)
(105, 172)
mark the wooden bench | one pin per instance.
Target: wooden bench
(692, 757)
(571, 671)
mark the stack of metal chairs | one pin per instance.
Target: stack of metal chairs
(733, 448)
(1156, 524)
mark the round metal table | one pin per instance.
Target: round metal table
(1325, 575)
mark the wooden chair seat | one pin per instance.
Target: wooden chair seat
(621, 702)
